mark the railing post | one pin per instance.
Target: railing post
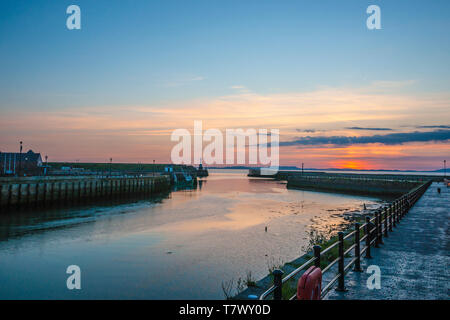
(341, 284)
(386, 223)
(397, 214)
(377, 236)
(402, 208)
(278, 284)
(390, 217)
(408, 204)
(368, 256)
(380, 229)
(357, 249)
(317, 255)
(394, 215)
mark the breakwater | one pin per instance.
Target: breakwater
(286, 174)
(359, 185)
(42, 191)
(376, 184)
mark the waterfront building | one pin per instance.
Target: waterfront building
(15, 163)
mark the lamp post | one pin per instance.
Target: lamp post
(302, 167)
(20, 159)
(110, 166)
(46, 165)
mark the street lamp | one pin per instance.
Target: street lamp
(153, 167)
(20, 159)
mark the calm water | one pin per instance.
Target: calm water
(182, 247)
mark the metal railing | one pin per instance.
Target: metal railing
(374, 229)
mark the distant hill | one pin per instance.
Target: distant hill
(328, 169)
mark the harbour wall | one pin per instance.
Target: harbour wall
(42, 191)
(285, 175)
(359, 185)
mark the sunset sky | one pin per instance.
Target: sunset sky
(341, 95)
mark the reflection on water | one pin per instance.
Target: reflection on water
(180, 246)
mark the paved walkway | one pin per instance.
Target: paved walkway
(415, 258)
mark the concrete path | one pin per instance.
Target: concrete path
(415, 258)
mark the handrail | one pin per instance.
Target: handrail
(329, 248)
(383, 221)
(330, 265)
(349, 235)
(296, 270)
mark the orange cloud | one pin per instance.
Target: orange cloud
(142, 133)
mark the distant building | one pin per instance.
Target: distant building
(14, 163)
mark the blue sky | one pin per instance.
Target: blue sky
(133, 52)
(164, 53)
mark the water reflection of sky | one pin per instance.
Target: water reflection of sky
(183, 246)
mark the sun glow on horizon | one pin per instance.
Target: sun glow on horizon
(350, 164)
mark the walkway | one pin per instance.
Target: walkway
(415, 258)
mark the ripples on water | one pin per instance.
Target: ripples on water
(178, 247)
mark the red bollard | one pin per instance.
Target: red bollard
(309, 285)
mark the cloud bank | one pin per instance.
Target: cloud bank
(372, 129)
(387, 139)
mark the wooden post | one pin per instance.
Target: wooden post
(385, 223)
(52, 194)
(316, 250)
(8, 203)
(357, 249)
(28, 195)
(390, 218)
(59, 192)
(19, 194)
(341, 281)
(1, 197)
(368, 238)
(72, 198)
(44, 196)
(278, 283)
(377, 223)
(36, 196)
(380, 228)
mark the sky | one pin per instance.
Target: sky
(342, 96)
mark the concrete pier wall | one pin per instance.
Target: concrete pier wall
(366, 186)
(285, 175)
(22, 192)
